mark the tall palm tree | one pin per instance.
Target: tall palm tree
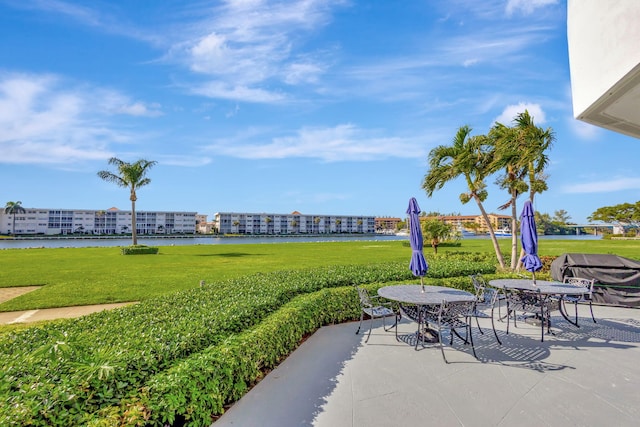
(131, 176)
(468, 157)
(520, 151)
(14, 208)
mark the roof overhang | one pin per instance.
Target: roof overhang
(619, 108)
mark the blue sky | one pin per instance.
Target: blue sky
(320, 106)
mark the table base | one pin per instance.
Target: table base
(428, 335)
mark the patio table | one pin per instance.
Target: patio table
(543, 289)
(413, 295)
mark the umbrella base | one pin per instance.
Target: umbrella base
(428, 335)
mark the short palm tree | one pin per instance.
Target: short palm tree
(131, 176)
(14, 208)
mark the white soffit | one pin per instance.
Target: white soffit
(619, 108)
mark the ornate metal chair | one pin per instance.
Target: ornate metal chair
(486, 297)
(454, 316)
(422, 315)
(373, 307)
(532, 303)
(575, 299)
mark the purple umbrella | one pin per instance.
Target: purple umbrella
(529, 237)
(418, 264)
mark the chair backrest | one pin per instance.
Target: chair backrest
(580, 281)
(365, 300)
(484, 294)
(524, 300)
(456, 311)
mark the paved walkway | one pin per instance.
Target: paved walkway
(27, 316)
(587, 376)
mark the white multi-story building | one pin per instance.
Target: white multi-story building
(294, 223)
(36, 221)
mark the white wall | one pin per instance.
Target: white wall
(604, 47)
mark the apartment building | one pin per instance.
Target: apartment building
(35, 221)
(475, 223)
(387, 223)
(293, 223)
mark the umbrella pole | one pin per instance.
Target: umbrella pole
(422, 283)
(534, 278)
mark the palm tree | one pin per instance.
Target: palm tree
(131, 176)
(14, 208)
(521, 151)
(470, 158)
(436, 231)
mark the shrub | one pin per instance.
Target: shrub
(139, 250)
(64, 373)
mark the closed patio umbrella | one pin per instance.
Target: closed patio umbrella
(418, 264)
(529, 238)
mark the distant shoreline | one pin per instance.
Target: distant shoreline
(187, 236)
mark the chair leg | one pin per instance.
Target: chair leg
(478, 324)
(591, 309)
(360, 325)
(470, 332)
(576, 307)
(440, 341)
(493, 325)
(370, 328)
(394, 323)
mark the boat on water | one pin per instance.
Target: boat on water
(503, 232)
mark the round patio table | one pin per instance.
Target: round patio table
(432, 296)
(412, 294)
(545, 289)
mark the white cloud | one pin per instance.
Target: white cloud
(341, 143)
(526, 7)
(237, 93)
(511, 111)
(618, 184)
(44, 120)
(243, 47)
(183, 160)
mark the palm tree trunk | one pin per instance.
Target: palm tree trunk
(492, 234)
(134, 232)
(13, 232)
(514, 234)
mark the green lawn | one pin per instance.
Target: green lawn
(77, 276)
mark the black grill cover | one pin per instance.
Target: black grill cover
(617, 279)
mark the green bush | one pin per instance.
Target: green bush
(139, 250)
(68, 372)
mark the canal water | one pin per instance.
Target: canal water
(70, 242)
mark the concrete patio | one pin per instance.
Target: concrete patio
(587, 376)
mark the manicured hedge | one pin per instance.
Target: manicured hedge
(115, 363)
(139, 250)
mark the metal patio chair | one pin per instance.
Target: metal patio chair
(580, 282)
(375, 308)
(452, 317)
(532, 303)
(422, 315)
(486, 297)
